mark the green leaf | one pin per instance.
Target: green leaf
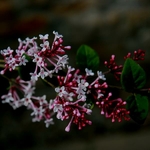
(138, 106)
(133, 76)
(87, 58)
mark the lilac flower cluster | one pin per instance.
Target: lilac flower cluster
(71, 101)
(42, 55)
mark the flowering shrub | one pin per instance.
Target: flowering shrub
(78, 90)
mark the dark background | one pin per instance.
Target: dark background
(109, 27)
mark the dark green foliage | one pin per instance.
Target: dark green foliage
(87, 58)
(133, 76)
(138, 106)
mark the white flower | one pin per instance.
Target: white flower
(81, 89)
(38, 112)
(89, 72)
(23, 61)
(63, 60)
(7, 98)
(26, 100)
(34, 77)
(19, 52)
(57, 108)
(49, 122)
(16, 104)
(43, 73)
(45, 45)
(61, 91)
(100, 75)
(32, 50)
(77, 77)
(30, 40)
(7, 51)
(69, 96)
(43, 37)
(43, 100)
(70, 69)
(57, 68)
(38, 60)
(57, 35)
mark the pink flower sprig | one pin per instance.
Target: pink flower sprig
(42, 56)
(21, 94)
(72, 101)
(71, 110)
(73, 89)
(17, 87)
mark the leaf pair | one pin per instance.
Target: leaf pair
(133, 78)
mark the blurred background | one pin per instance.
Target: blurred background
(109, 27)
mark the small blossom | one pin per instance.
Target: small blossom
(38, 60)
(89, 72)
(26, 100)
(57, 36)
(23, 61)
(34, 77)
(43, 73)
(61, 91)
(7, 98)
(42, 100)
(45, 46)
(49, 122)
(100, 75)
(62, 60)
(7, 51)
(58, 108)
(43, 37)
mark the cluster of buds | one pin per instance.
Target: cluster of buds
(138, 55)
(73, 89)
(113, 67)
